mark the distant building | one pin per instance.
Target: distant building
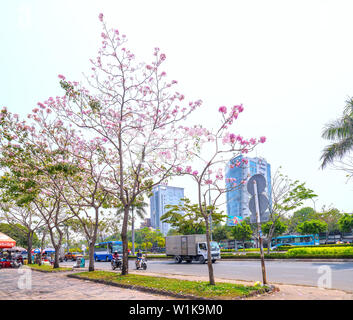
(241, 168)
(146, 223)
(162, 196)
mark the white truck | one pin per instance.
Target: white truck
(191, 248)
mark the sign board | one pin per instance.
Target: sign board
(263, 204)
(260, 182)
(263, 217)
(262, 199)
(234, 220)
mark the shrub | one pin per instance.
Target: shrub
(327, 251)
(286, 248)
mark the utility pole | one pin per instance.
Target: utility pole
(260, 233)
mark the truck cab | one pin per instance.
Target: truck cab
(202, 251)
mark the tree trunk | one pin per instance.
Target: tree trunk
(42, 247)
(327, 233)
(133, 231)
(92, 241)
(29, 247)
(125, 269)
(209, 257)
(56, 256)
(91, 255)
(243, 246)
(67, 239)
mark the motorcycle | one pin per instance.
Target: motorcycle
(117, 263)
(141, 263)
(16, 264)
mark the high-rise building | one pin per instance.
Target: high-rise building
(162, 196)
(239, 169)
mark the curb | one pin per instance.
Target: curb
(288, 260)
(46, 271)
(171, 294)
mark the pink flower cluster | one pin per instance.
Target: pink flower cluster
(223, 109)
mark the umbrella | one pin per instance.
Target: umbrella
(47, 250)
(35, 251)
(17, 249)
(6, 241)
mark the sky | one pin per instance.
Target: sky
(288, 62)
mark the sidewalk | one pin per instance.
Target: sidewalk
(57, 286)
(286, 292)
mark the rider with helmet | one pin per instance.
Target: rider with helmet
(115, 255)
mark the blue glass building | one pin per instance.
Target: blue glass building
(162, 196)
(238, 198)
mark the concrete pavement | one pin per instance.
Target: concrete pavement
(15, 284)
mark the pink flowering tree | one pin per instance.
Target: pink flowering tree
(73, 169)
(214, 150)
(132, 109)
(34, 175)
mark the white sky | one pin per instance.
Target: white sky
(289, 62)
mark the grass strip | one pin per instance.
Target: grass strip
(173, 287)
(47, 268)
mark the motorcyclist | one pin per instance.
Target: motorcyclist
(139, 257)
(115, 255)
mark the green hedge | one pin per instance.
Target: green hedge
(286, 248)
(327, 251)
(241, 250)
(252, 255)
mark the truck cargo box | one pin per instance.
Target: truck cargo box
(184, 245)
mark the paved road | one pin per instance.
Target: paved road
(304, 273)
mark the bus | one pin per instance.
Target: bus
(103, 251)
(295, 240)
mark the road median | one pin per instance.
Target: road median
(184, 289)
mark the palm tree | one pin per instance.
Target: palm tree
(140, 211)
(341, 132)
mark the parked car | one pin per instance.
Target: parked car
(72, 256)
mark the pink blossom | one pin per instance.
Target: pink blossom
(232, 137)
(60, 76)
(179, 169)
(188, 169)
(208, 181)
(222, 109)
(195, 173)
(101, 17)
(262, 139)
(162, 56)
